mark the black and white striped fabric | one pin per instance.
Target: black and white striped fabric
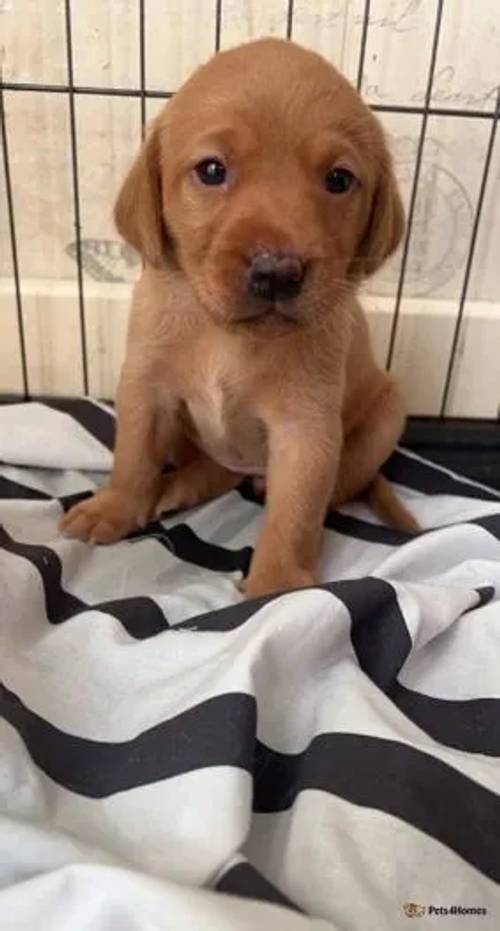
(173, 757)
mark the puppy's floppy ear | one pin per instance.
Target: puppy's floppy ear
(138, 209)
(385, 226)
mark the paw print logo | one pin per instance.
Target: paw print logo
(412, 910)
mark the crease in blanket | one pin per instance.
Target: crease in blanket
(313, 760)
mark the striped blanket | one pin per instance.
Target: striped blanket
(172, 757)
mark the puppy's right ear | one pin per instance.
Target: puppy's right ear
(138, 209)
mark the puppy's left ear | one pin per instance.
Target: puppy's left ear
(138, 209)
(385, 226)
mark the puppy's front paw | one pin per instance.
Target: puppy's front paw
(274, 580)
(105, 518)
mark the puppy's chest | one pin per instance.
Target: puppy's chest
(221, 421)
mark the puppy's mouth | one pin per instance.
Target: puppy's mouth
(272, 312)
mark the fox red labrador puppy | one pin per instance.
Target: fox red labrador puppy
(262, 196)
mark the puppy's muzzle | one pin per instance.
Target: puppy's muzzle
(275, 277)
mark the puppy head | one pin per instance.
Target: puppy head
(268, 182)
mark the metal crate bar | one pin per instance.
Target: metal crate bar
(416, 178)
(76, 196)
(289, 19)
(13, 247)
(166, 95)
(82, 89)
(142, 64)
(470, 259)
(362, 47)
(218, 24)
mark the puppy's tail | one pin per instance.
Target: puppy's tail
(383, 500)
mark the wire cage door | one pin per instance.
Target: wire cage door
(81, 81)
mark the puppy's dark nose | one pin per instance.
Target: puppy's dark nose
(275, 277)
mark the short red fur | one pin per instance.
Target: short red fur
(222, 383)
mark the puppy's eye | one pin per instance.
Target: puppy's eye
(211, 171)
(339, 180)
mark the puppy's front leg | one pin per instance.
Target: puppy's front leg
(301, 474)
(127, 501)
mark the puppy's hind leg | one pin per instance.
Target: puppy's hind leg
(384, 501)
(365, 450)
(198, 481)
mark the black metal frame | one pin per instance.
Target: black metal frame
(143, 94)
(469, 447)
